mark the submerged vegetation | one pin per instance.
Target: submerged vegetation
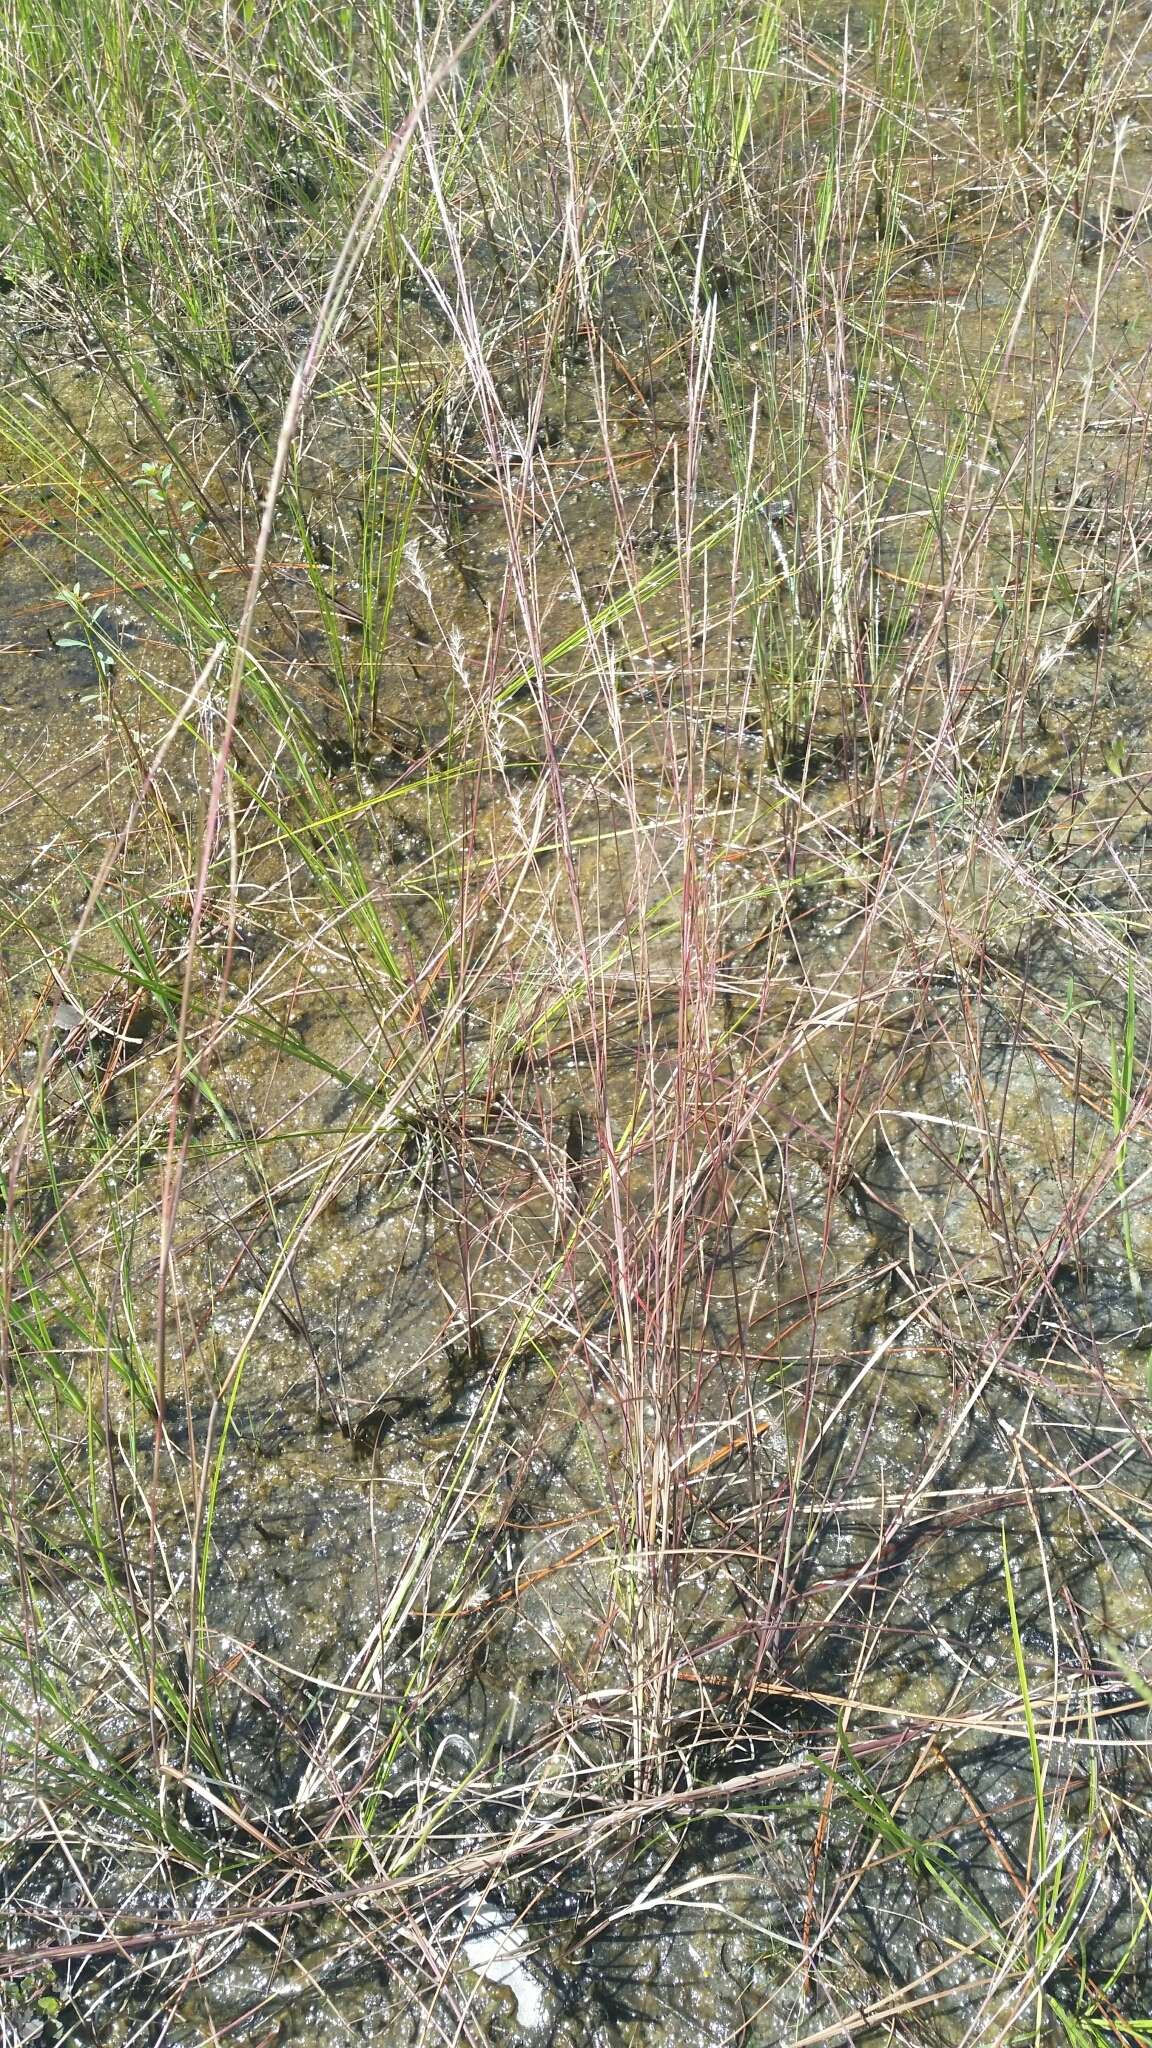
(577, 1001)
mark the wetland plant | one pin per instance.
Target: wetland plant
(575, 1444)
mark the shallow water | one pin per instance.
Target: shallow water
(429, 1607)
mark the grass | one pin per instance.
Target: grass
(575, 1169)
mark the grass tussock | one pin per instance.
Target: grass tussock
(577, 994)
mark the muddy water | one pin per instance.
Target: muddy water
(883, 1380)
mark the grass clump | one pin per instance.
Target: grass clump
(576, 974)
